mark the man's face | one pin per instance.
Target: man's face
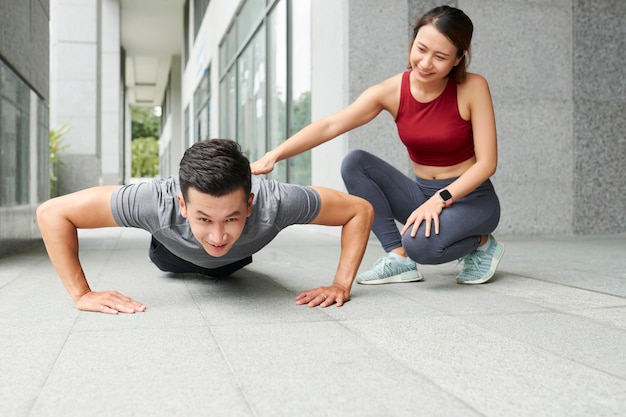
(216, 222)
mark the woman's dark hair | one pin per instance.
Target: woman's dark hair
(456, 26)
(216, 167)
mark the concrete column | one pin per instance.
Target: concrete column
(74, 77)
(110, 114)
(329, 82)
(599, 121)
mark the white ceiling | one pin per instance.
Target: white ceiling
(152, 31)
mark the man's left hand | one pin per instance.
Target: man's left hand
(324, 296)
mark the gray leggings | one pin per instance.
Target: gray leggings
(395, 196)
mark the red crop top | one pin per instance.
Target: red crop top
(434, 133)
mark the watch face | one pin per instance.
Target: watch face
(445, 195)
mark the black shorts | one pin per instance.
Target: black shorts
(168, 262)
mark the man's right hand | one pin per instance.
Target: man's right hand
(109, 302)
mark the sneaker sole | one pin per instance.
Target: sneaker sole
(495, 261)
(404, 277)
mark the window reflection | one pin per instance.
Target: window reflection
(251, 87)
(277, 83)
(14, 138)
(265, 87)
(202, 100)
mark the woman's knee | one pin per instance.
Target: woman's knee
(423, 250)
(353, 162)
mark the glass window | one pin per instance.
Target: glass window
(166, 105)
(186, 128)
(299, 167)
(201, 105)
(277, 83)
(265, 80)
(14, 138)
(186, 13)
(43, 151)
(248, 19)
(199, 8)
(251, 97)
(228, 115)
(225, 56)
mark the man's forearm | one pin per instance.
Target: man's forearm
(354, 237)
(61, 240)
(63, 254)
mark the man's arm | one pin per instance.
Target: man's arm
(356, 216)
(58, 220)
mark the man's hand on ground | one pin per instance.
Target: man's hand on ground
(324, 296)
(109, 302)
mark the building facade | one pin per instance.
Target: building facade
(24, 95)
(555, 75)
(258, 70)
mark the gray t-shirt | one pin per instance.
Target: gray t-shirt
(153, 206)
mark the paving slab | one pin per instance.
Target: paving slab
(546, 337)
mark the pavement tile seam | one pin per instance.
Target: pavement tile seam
(575, 313)
(110, 378)
(472, 294)
(591, 313)
(432, 360)
(575, 287)
(249, 404)
(138, 328)
(572, 313)
(24, 367)
(241, 365)
(49, 372)
(536, 343)
(543, 284)
(214, 301)
(7, 282)
(381, 354)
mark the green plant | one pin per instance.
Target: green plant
(144, 122)
(56, 146)
(145, 157)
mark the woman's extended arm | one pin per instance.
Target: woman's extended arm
(365, 108)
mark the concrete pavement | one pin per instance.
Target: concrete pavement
(547, 337)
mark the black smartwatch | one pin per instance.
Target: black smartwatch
(446, 197)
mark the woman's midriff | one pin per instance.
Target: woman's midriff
(442, 173)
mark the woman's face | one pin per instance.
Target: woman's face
(432, 55)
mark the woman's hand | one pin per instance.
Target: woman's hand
(429, 213)
(324, 296)
(263, 165)
(109, 302)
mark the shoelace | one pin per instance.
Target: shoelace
(470, 261)
(377, 269)
(382, 265)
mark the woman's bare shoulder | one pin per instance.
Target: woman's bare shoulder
(391, 83)
(473, 81)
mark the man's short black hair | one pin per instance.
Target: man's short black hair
(216, 167)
